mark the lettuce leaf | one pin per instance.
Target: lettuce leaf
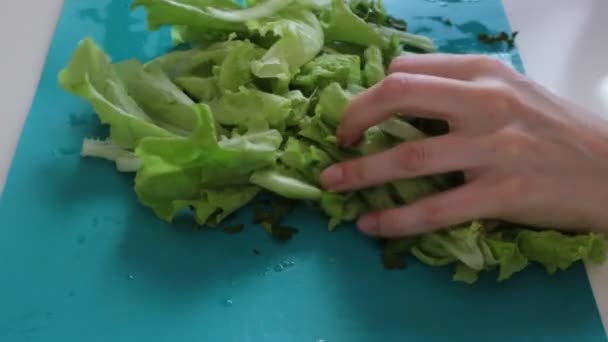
(212, 14)
(558, 251)
(91, 75)
(374, 66)
(300, 40)
(252, 109)
(329, 68)
(250, 104)
(174, 171)
(332, 102)
(339, 23)
(235, 70)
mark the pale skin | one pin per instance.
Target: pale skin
(528, 156)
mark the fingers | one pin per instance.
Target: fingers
(439, 211)
(436, 155)
(458, 67)
(427, 96)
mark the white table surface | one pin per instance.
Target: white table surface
(562, 42)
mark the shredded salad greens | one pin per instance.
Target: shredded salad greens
(249, 104)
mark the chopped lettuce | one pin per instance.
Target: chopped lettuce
(300, 40)
(328, 68)
(250, 105)
(374, 66)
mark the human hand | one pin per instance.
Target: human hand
(528, 156)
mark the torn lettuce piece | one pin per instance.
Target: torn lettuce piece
(286, 185)
(407, 40)
(299, 107)
(214, 205)
(413, 189)
(378, 197)
(332, 103)
(201, 37)
(374, 141)
(252, 109)
(317, 131)
(252, 12)
(177, 169)
(235, 70)
(327, 68)
(374, 66)
(401, 129)
(341, 24)
(461, 243)
(193, 62)
(306, 159)
(341, 208)
(558, 251)
(91, 75)
(508, 257)
(465, 274)
(163, 102)
(374, 12)
(300, 40)
(208, 14)
(203, 89)
(126, 161)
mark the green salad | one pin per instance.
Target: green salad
(248, 104)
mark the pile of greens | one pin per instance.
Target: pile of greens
(249, 102)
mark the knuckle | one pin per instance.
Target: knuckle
(395, 84)
(504, 98)
(514, 143)
(413, 157)
(489, 64)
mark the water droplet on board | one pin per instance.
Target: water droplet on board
(443, 4)
(131, 277)
(227, 302)
(278, 268)
(288, 263)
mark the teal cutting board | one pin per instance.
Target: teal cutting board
(81, 260)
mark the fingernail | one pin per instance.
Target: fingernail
(332, 176)
(368, 224)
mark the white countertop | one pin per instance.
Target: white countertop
(562, 43)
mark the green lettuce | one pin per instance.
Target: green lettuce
(212, 14)
(91, 75)
(300, 40)
(263, 110)
(329, 68)
(250, 104)
(374, 66)
(475, 248)
(175, 171)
